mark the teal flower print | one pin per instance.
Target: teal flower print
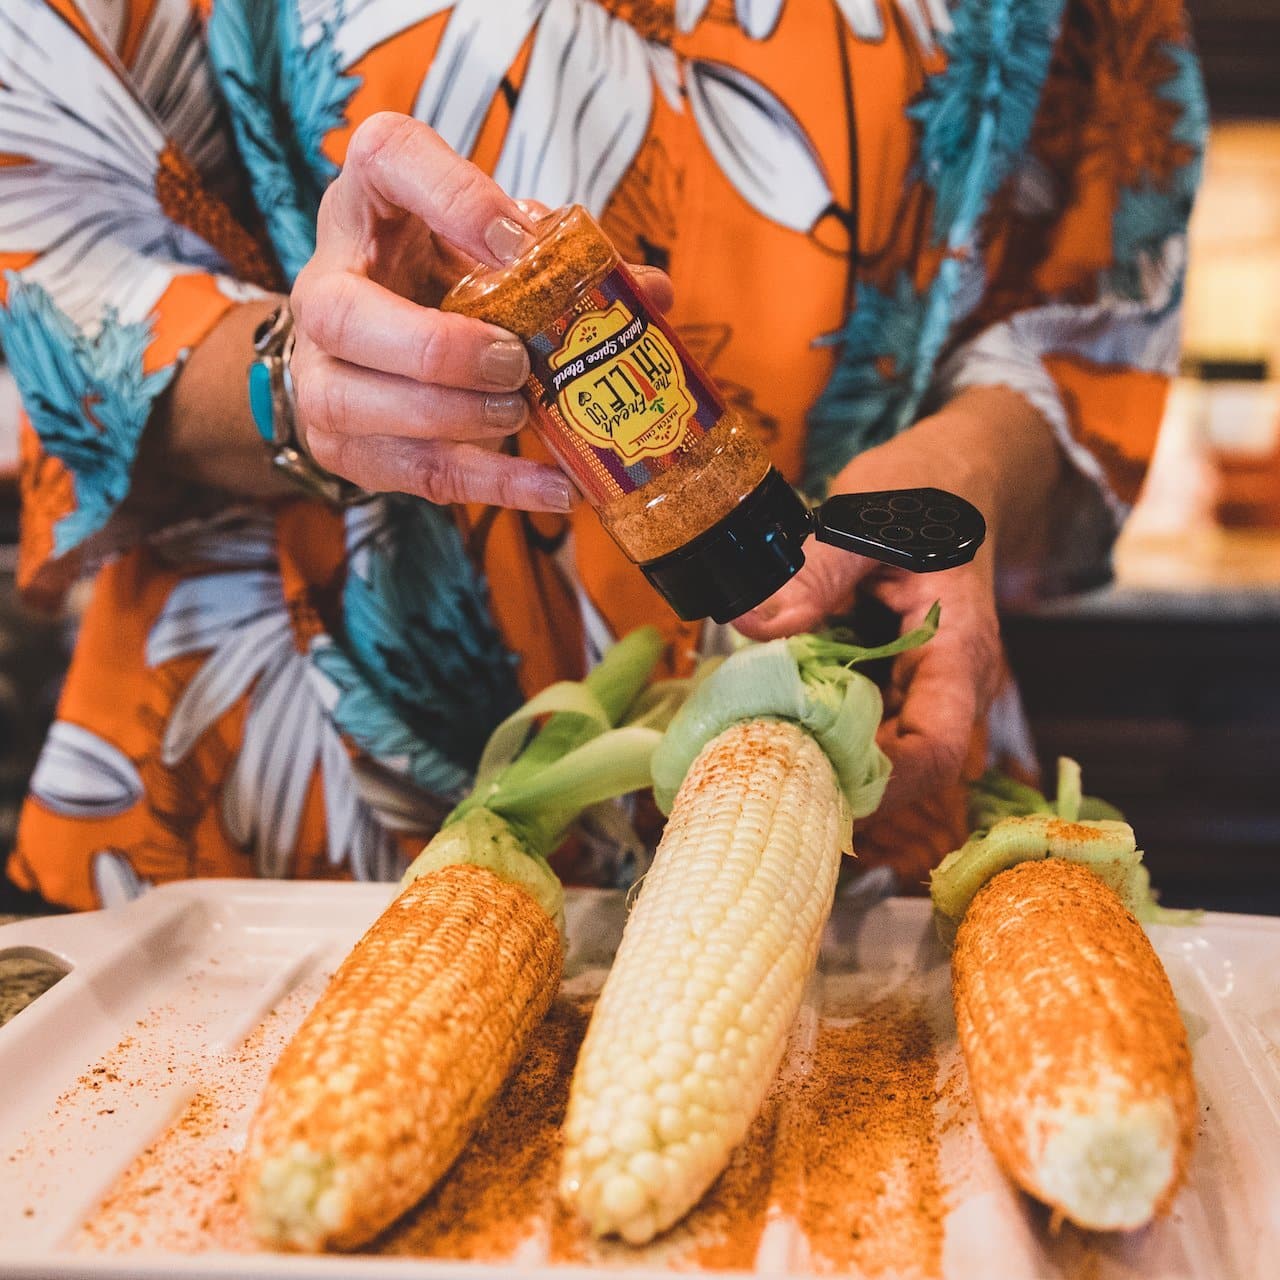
(316, 89)
(975, 116)
(1185, 88)
(424, 676)
(1150, 212)
(872, 393)
(278, 114)
(88, 398)
(366, 718)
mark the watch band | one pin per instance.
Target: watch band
(271, 401)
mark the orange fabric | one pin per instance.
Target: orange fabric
(1115, 413)
(758, 296)
(48, 496)
(139, 12)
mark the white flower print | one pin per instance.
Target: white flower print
(759, 144)
(689, 14)
(583, 110)
(758, 17)
(172, 75)
(93, 216)
(666, 74)
(115, 882)
(82, 775)
(108, 17)
(239, 537)
(357, 26)
(585, 101)
(239, 290)
(482, 39)
(929, 20)
(864, 18)
(239, 618)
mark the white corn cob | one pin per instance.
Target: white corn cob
(1077, 1057)
(691, 1024)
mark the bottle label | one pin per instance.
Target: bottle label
(619, 398)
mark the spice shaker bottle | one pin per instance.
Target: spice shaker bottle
(676, 476)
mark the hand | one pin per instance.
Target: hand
(938, 692)
(393, 393)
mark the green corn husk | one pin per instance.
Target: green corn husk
(809, 679)
(532, 783)
(1013, 823)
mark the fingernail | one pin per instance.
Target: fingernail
(555, 494)
(534, 209)
(505, 364)
(505, 411)
(506, 239)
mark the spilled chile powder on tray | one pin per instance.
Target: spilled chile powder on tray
(862, 1148)
(502, 1190)
(496, 1193)
(849, 1150)
(178, 1195)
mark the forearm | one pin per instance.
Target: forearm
(987, 445)
(202, 430)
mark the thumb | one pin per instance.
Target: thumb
(824, 585)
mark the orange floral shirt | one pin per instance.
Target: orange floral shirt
(865, 205)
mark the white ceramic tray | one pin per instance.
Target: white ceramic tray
(162, 995)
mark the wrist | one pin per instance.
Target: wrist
(991, 446)
(201, 430)
(274, 408)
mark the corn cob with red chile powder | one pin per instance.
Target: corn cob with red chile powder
(391, 1072)
(1077, 1057)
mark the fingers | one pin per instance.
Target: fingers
(394, 165)
(939, 693)
(334, 397)
(656, 286)
(534, 208)
(351, 318)
(825, 585)
(443, 471)
(928, 740)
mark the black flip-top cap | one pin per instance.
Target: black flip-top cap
(745, 557)
(922, 530)
(741, 560)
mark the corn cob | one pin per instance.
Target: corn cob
(392, 1070)
(693, 1019)
(762, 770)
(390, 1073)
(1077, 1058)
(1014, 823)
